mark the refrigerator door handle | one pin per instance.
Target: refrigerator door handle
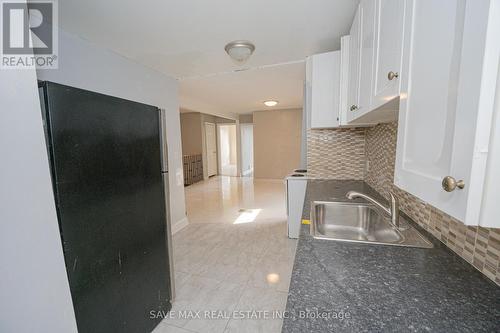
(169, 237)
(163, 140)
(164, 169)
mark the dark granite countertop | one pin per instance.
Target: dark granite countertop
(349, 287)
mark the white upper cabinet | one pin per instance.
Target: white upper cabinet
(450, 65)
(344, 79)
(366, 54)
(354, 64)
(376, 47)
(326, 88)
(361, 60)
(490, 209)
(323, 80)
(389, 25)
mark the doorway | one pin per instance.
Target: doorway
(228, 149)
(211, 148)
(246, 150)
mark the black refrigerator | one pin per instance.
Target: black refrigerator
(110, 180)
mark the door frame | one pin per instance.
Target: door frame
(219, 163)
(216, 147)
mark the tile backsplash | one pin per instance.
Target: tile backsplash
(330, 152)
(336, 154)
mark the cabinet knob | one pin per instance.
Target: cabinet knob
(353, 107)
(392, 75)
(450, 184)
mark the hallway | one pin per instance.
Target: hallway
(233, 256)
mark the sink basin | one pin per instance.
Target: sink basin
(360, 222)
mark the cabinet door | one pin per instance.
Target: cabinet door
(362, 33)
(344, 85)
(450, 57)
(325, 94)
(354, 64)
(344, 79)
(389, 19)
(307, 93)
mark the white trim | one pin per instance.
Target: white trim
(247, 172)
(217, 130)
(206, 173)
(179, 225)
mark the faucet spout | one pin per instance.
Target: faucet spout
(392, 211)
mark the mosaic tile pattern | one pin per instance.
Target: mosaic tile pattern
(370, 154)
(477, 245)
(336, 154)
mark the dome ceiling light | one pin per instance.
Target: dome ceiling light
(240, 50)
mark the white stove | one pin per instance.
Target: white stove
(296, 184)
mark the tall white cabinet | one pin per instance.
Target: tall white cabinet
(450, 66)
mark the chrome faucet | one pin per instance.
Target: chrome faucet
(392, 211)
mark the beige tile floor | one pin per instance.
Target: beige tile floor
(233, 256)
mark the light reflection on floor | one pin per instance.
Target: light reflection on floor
(247, 216)
(220, 199)
(234, 255)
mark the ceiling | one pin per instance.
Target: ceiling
(186, 39)
(243, 92)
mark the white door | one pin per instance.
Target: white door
(211, 146)
(447, 103)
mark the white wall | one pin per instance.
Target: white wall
(246, 148)
(34, 289)
(84, 65)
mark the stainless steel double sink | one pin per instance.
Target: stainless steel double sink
(363, 223)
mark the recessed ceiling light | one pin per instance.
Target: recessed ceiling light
(271, 103)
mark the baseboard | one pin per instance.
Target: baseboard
(247, 172)
(179, 225)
